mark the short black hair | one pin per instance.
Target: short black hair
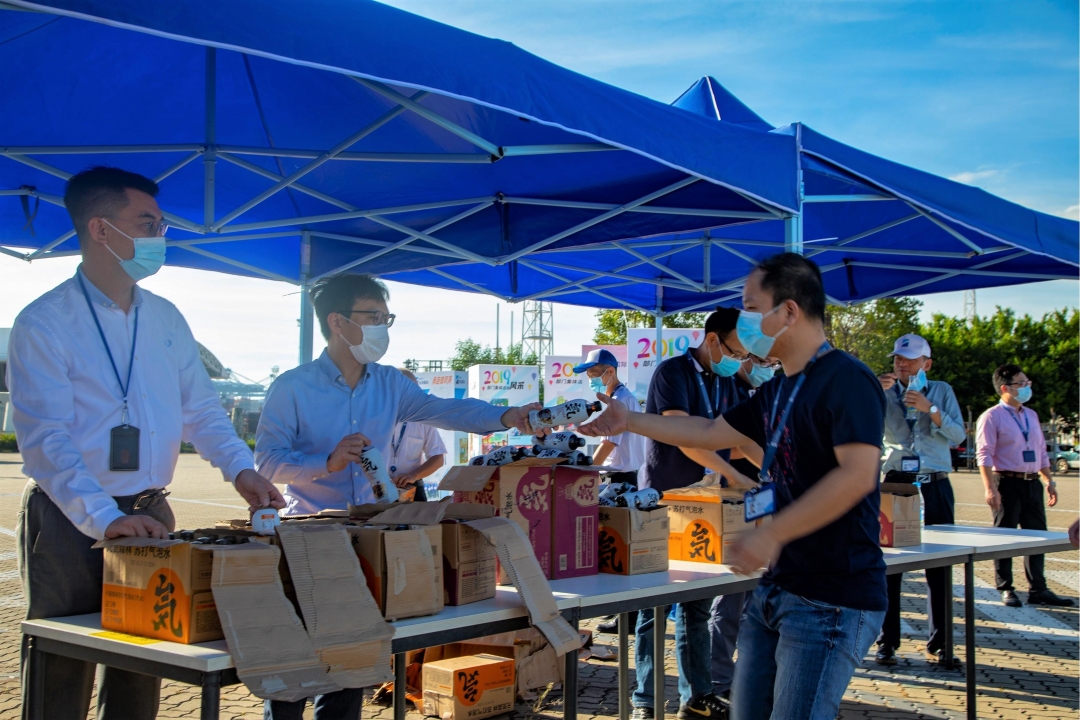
(101, 191)
(721, 321)
(790, 276)
(337, 293)
(1004, 375)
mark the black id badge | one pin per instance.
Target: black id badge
(1029, 456)
(124, 448)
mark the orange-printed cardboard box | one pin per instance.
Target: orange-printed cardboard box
(633, 541)
(403, 568)
(900, 515)
(703, 521)
(470, 687)
(159, 589)
(574, 519)
(520, 492)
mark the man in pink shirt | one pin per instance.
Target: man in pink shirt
(1010, 442)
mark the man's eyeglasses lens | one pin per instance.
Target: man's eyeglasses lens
(379, 317)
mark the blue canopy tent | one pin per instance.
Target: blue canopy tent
(876, 228)
(298, 140)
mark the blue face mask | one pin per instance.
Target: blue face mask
(1024, 394)
(752, 337)
(597, 384)
(759, 375)
(727, 366)
(149, 255)
(917, 381)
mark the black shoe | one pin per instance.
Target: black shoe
(642, 713)
(611, 624)
(1009, 599)
(937, 657)
(1048, 597)
(885, 655)
(705, 705)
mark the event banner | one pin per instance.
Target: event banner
(505, 386)
(446, 384)
(641, 353)
(619, 351)
(561, 383)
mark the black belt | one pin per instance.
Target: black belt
(144, 500)
(1018, 475)
(903, 477)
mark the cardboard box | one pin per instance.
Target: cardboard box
(159, 589)
(702, 520)
(519, 492)
(470, 687)
(900, 515)
(468, 565)
(633, 541)
(574, 521)
(403, 568)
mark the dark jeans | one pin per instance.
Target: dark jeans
(938, 509)
(691, 652)
(727, 611)
(340, 705)
(421, 493)
(61, 575)
(1022, 503)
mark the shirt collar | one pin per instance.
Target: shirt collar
(326, 364)
(693, 359)
(99, 298)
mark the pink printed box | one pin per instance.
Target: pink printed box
(575, 517)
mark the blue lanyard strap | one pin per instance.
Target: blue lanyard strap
(124, 386)
(778, 427)
(396, 445)
(904, 408)
(712, 403)
(1026, 427)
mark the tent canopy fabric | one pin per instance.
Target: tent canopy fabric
(295, 140)
(875, 227)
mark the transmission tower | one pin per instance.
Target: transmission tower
(537, 329)
(970, 313)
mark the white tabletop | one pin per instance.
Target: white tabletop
(940, 541)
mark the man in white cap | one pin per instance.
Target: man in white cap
(922, 420)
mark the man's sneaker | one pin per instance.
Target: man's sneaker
(611, 624)
(1048, 597)
(705, 705)
(885, 655)
(1009, 599)
(642, 713)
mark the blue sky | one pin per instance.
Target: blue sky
(983, 92)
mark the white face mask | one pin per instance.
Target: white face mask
(373, 346)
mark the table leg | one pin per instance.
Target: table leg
(211, 696)
(947, 655)
(399, 686)
(35, 676)
(570, 682)
(969, 635)
(624, 666)
(659, 634)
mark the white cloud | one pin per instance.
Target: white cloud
(974, 176)
(1073, 211)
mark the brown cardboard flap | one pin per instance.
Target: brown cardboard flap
(468, 511)
(639, 519)
(538, 462)
(899, 489)
(410, 565)
(707, 493)
(273, 654)
(467, 478)
(414, 513)
(135, 542)
(343, 621)
(520, 563)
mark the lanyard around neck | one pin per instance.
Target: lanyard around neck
(712, 405)
(778, 428)
(124, 386)
(1026, 427)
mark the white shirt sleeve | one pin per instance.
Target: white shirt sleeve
(43, 401)
(433, 444)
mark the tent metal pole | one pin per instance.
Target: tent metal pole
(596, 276)
(600, 273)
(210, 156)
(793, 229)
(645, 258)
(470, 285)
(963, 271)
(96, 149)
(270, 175)
(978, 250)
(519, 150)
(706, 260)
(846, 198)
(307, 324)
(946, 276)
(652, 209)
(236, 263)
(585, 288)
(416, 234)
(383, 243)
(353, 156)
(332, 217)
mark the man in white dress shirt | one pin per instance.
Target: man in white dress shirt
(416, 451)
(106, 381)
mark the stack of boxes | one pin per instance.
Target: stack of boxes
(704, 520)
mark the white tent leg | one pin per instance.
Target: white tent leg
(307, 313)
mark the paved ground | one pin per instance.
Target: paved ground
(1028, 657)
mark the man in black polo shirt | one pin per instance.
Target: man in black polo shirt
(822, 601)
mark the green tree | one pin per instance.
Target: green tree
(612, 324)
(869, 330)
(469, 352)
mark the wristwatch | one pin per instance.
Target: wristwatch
(933, 409)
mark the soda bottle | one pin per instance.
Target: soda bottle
(371, 459)
(499, 456)
(642, 499)
(570, 412)
(579, 458)
(565, 441)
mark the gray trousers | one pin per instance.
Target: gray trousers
(724, 621)
(61, 575)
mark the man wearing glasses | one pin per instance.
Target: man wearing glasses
(106, 381)
(1012, 458)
